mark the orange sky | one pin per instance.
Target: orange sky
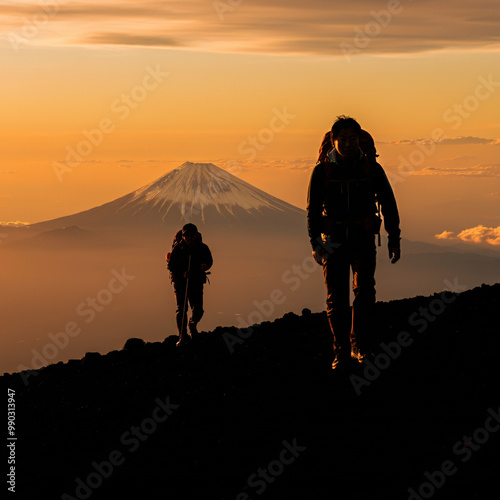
(137, 89)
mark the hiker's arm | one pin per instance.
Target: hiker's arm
(315, 205)
(389, 206)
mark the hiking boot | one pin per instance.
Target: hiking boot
(357, 354)
(335, 363)
(342, 358)
(193, 330)
(184, 339)
(360, 355)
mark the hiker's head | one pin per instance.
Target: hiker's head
(345, 136)
(189, 234)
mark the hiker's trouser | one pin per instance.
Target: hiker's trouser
(194, 299)
(351, 327)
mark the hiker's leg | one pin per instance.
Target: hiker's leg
(336, 273)
(363, 307)
(195, 294)
(180, 294)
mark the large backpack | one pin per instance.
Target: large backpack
(366, 143)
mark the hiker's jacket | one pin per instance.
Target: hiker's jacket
(341, 201)
(179, 260)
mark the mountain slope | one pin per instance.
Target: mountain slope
(373, 431)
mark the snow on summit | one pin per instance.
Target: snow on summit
(194, 187)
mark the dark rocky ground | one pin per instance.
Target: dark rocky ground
(371, 431)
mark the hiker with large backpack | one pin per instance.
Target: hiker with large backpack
(345, 188)
(188, 263)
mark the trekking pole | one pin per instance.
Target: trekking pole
(185, 299)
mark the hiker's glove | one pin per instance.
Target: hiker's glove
(394, 254)
(318, 255)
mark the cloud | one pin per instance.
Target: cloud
(17, 223)
(478, 234)
(445, 235)
(456, 159)
(111, 38)
(481, 234)
(461, 140)
(467, 140)
(461, 165)
(481, 170)
(236, 166)
(265, 26)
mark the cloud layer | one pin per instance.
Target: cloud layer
(480, 170)
(460, 140)
(478, 234)
(17, 223)
(324, 27)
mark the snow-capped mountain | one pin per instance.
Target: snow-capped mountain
(195, 190)
(201, 193)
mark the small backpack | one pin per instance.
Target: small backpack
(177, 240)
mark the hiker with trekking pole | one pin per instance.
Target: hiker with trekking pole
(188, 263)
(346, 191)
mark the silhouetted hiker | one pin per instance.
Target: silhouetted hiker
(342, 222)
(188, 262)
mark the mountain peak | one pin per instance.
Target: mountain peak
(194, 188)
(191, 165)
